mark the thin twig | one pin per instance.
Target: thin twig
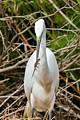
(10, 97)
(71, 85)
(25, 40)
(12, 67)
(63, 14)
(67, 66)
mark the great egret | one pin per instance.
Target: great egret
(41, 79)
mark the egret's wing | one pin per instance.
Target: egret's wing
(28, 79)
(53, 67)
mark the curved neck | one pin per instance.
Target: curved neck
(42, 52)
(43, 70)
(43, 59)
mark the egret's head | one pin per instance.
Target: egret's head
(39, 29)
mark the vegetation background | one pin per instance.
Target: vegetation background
(17, 43)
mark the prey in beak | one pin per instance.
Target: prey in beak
(37, 54)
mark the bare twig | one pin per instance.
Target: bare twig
(25, 40)
(67, 66)
(10, 96)
(63, 14)
(12, 67)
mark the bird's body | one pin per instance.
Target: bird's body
(40, 87)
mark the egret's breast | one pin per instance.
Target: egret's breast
(41, 100)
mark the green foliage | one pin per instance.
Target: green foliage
(59, 20)
(78, 2)
(14, 54)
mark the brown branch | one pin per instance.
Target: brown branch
(24, 39)
(71, 85)
(13, 39)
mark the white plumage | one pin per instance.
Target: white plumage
(41, 85)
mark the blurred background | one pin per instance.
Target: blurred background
(18, 42)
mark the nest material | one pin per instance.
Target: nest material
(14, 54)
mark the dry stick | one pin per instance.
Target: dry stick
(12, 104)
(61, 29)
(10, 18)
(63, 14)
(77, 109)
(8, 48)
(66, 30)
(65, 48)
(6, 19)
(2, 81)
(20, 109)
(4, 45)
(10, 97)
(71, 85)
(69, 54)
(67, 3)
(12, 60)
(8, 89)
(73, 69)
(25, 40)
(12, 67)
(70, 63)
(14, 97)
(2, 39)
(15, 48)
(69, 93)
(72, 106)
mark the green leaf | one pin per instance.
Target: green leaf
(78, 2)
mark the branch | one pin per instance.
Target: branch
(24, 39)
(71, 85)
(8, 48)
(63, 14)
(67, 66)
(12, 67)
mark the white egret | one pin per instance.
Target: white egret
(41, 79)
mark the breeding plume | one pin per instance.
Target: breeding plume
(41, 79)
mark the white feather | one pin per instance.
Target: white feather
(42, 87)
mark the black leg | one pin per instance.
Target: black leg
(32, 112)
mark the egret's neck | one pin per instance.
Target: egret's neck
(43, 68)
(43, 71)
(42, 52)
